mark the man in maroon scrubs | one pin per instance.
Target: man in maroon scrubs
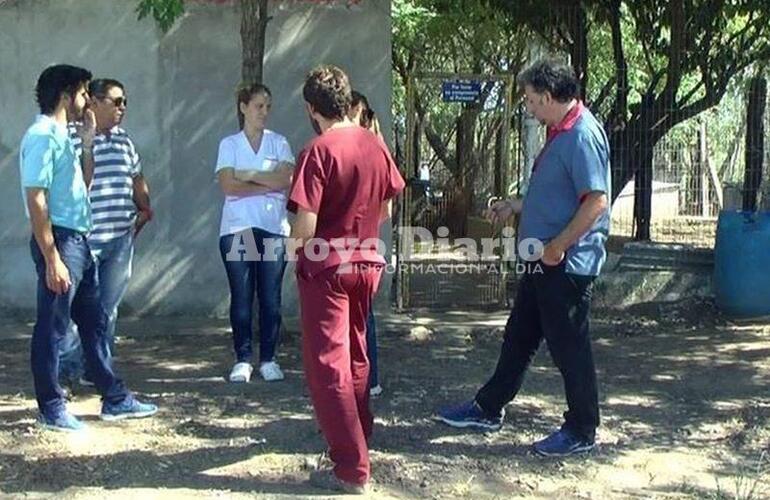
(342, 190)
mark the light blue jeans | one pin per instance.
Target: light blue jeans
(113, 270)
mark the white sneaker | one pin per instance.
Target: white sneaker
(241, 372)
(375, 391)
(270, 371)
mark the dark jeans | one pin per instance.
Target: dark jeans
(371, 349)
(249, 274)
(81, 304)
(553, 305)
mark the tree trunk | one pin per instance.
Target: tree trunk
(500, 188)
(254, 19)
(643, 192)
(631, 150)
(461, 201)
(397, 144)
(419, 130)
(755, 150)
(578, 28)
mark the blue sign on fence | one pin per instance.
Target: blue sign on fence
(460, 91)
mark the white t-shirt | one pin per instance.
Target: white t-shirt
(262, 211)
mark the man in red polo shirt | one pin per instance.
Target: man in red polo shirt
(342, 190)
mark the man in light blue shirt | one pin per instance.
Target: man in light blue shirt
(47, 161)
(566, 209)
(55, 191)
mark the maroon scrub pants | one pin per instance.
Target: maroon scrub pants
(334, 306)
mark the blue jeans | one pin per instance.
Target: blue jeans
(113, 270)
(249, 274)
(371, 349)
(54, 312)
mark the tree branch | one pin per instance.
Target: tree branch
(702, 104)
(690, 94)
(596, 105)
(620, 106)
(434, 139)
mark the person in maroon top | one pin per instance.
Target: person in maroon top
(342, 189)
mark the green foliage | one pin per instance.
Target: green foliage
(165, 12)
(654, 65)
(444, 35)
(449, 36)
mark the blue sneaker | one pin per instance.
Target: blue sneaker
(128, 408)
(563, 443)
(63, 422)
(470, 414)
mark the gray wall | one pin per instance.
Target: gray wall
(181, 88)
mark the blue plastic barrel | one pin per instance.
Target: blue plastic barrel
(742, 264)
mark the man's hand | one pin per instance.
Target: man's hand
(553, 253)
(57, 276)
(594, 204)
(142, 218)
(87, 130)
(501, 210)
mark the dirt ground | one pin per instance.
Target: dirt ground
(684, 395)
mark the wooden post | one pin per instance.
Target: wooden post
(711, 168)
(505, 136)
(705, 208)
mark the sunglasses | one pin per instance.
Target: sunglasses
(117, 101)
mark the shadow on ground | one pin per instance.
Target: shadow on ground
(678, 383)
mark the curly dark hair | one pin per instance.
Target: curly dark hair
(327, 90)
(552, 76)
(57, 80)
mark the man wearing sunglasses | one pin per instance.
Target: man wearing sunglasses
(120, 202)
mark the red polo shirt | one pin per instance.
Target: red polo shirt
(344, 175)
(565, 124)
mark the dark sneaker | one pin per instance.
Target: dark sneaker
(63, 422)
(470, 414)
(327, 480)
(563, 443)
(128, 408)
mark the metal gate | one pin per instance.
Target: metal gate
(458, 156)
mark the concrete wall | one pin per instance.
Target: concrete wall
(181, 88)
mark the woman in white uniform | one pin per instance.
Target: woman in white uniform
(254, 170)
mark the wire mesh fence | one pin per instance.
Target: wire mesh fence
(678, 154)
